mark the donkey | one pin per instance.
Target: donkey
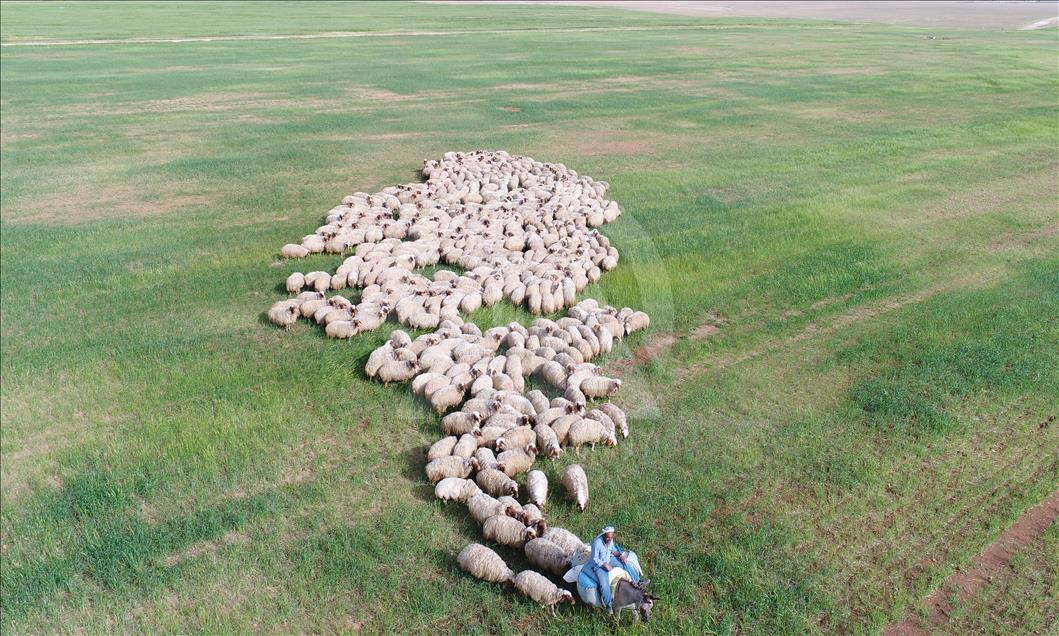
(629, 595)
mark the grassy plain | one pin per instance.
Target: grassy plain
(864, 216)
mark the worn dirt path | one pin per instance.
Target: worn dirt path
(372, 34)
(964, 583)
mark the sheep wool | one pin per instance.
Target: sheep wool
(451, 466)
(538, 588)
(537, 488)
(507, 531)
(542, 553)
(484, 564)
(495, 482)
(455, 489)
(576, 484)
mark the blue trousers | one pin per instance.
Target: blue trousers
(602, 576)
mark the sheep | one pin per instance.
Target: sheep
(588, 431)
(576, 484)
(486, 458)
(604, 419)
(295, 282)
(284, 313)
(546, 555)
(517, 437)
(446, 398)
(567, 541)
(547, 441)
(617, 416)
(507, 531)
(537, 488)
(495, 482)
(455, 488)
(538, 588)
(466, 446)
(442, 467)
(562, 426)
(600, 386)
(291, 250)
(533, 517)
(485, 565)
(460, 422)
(397, 371)
(482, 506)
(516, 461)
(441, 448)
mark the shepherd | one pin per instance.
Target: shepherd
(607, 555)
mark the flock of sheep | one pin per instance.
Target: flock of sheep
(519, 229)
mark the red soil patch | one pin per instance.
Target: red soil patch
(964, 583)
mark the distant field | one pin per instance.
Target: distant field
(846, 237)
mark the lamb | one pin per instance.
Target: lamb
(542, 553)
(454, 488)
(441, 448)
(537, 587)
(284, 313)
(617, 416)
(496, 483)
(507, 531)
(576, 484)
(485, 565)
(442, 467)
(537, 487)
(587, 431)
(516, 461)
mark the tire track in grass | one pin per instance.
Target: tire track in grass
(964, 583)
(332, 35)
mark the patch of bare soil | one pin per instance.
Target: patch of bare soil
(965, 583)
(509, 109)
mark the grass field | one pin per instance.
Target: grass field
(845, 236)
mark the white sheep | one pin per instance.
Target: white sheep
(537, 487)
(484, 564)
(442, 467)
(617, 416)
(284, 313)
(589, 431)
(495, 482)
(507, 531)
(537, 587)
(566, 540)
(546, 555)
(442, 448)
(455, 489)
(576, 484)
(295, 282)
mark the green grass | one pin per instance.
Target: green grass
(868, 215)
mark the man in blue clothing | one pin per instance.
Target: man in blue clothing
(607, 554)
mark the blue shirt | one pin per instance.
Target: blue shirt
(602, 551)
